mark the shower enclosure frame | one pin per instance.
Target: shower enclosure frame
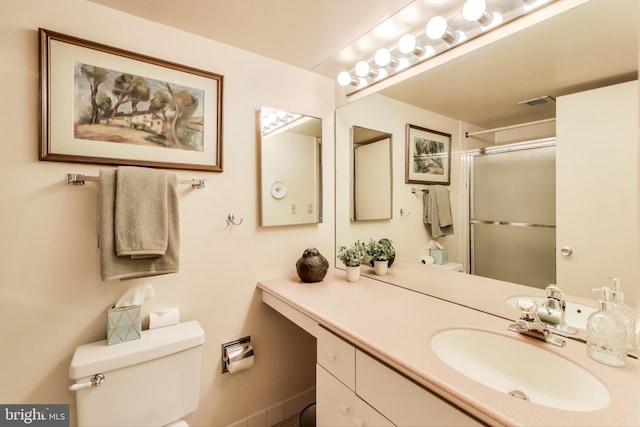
(469, 159)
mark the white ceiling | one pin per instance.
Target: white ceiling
(588, 46)
(304, 33)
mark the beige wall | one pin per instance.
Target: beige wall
(52, 298)
(410, 237)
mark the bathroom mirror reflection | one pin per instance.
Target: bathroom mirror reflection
(372, 177)
(290, 168)
(481, 90)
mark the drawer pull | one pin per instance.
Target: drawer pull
(331, 357)
(359, 422)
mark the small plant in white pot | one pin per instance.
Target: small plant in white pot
(380, 253)
(352, 256)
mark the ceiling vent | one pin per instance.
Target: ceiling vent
(538, 101)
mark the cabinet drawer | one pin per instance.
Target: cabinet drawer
(401, 400)
(337, 356)
(340, 407)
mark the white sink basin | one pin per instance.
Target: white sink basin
(515, 367)
(575, 315)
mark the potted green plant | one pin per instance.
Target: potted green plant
(352, 256)
(380, 253)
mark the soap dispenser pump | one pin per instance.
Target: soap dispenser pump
(625, 314)
(606, 335)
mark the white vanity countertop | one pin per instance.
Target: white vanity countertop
(396, 325)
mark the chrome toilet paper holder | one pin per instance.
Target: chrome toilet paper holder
(235, 351)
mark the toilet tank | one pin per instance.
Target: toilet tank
(152, 381)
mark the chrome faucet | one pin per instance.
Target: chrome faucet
(530, 324)
(552, 311)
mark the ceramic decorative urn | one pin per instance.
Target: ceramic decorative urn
(312, 266)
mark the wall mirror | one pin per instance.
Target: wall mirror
(372, 177)
(482, 90)
(290, 168)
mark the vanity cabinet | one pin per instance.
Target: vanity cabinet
(339, 406)
(337, 402)
(597, 189)
(354, 389)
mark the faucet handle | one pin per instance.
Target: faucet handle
(555, 292)
(528, 308)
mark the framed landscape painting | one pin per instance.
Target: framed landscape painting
(428, 156)
(101, 104)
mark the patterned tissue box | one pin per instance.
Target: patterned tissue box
(123, 324)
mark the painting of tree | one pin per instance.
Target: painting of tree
(119, 107)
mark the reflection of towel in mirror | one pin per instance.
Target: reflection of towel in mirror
(437, 211)
(113, 266)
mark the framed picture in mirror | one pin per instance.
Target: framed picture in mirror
(428, 156)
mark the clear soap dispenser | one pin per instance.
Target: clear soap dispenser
(606, 335)
(626, 315)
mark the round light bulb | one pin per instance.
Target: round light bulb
(382, 57)
(344, 78)
(436, 28)
(407, 43)
(474, 9)
(362, 69)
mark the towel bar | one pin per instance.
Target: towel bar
(79, 179)
(424, 190)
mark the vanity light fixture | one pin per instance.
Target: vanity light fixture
(440, 37)
(477, 11)
(363, 69)
(272, 119)
(409, 45)
(383, 58)
(439, 29)
(345, 79)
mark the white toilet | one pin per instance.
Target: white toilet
(152, 381)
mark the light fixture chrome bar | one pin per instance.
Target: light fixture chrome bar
(79, 179)
(481, 132)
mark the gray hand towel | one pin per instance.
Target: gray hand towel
(113, 266)
(437, 211)
(141, 213)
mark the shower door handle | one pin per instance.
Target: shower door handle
(566, 251)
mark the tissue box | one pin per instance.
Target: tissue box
(123, 324)
(439, 256)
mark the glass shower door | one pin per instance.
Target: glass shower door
(512, 213)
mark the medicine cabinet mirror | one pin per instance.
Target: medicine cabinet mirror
(372, 177)
(290, 168)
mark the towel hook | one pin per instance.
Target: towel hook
(232, 220)
(404, 213)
